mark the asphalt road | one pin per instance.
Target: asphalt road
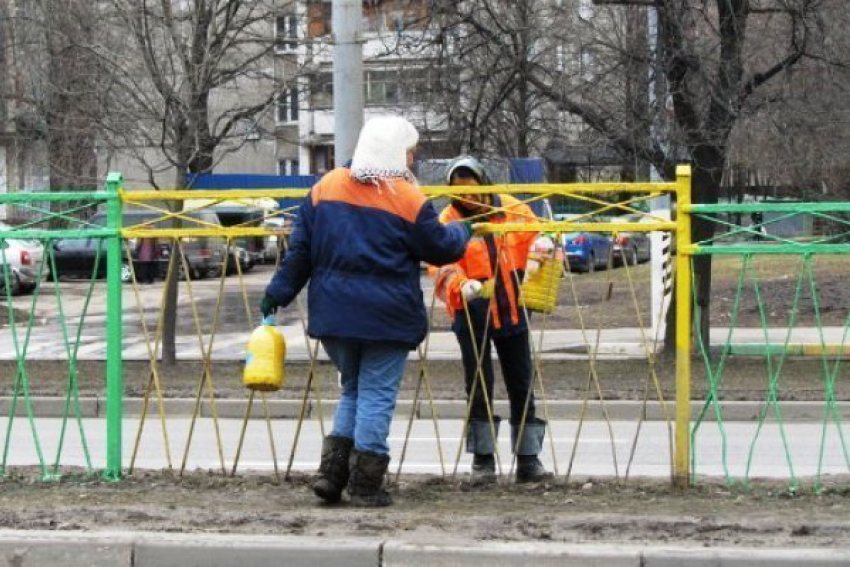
(593, 456)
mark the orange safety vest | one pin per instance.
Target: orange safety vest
(512, 250)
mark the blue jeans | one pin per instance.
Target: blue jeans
(371, 374)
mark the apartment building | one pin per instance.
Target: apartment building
(398, 77)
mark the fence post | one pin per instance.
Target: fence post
(682, 458)
(114, 354)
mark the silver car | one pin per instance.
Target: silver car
(22, 259)
(631, 247)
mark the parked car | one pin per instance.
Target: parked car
(205, 255)
(631, 247)
(584, 250)
(276, 243)
(23, 262)
(239, 254)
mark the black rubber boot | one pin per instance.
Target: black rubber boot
(365, 485)
(483, 470)
(333, 469)
(529, 468)
(480, 442)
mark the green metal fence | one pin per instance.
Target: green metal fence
(775, 270)
(53, 216)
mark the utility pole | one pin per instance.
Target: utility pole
(348, 77)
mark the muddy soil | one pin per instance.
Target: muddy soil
(745, 379)
(638, 512)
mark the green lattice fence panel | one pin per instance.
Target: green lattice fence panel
(779, 335)
(43, 320)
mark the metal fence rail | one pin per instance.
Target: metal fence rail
(750, 241)
(46, 211)
(599, 200)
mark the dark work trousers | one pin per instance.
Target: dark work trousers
(514, 354)
(145, 271)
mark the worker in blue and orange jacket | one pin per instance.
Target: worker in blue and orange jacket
(359, 239)
(481, 292)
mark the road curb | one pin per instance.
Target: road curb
(151, 549)
(617, 410)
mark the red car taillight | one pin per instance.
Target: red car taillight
(26, 259)
(622, 240)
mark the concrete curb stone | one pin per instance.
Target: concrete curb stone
(743, 557)
(23, 548)
(206, 550)
(69, 549)
(43, 406)
(503, 554)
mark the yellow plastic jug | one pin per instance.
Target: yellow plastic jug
(264, 361)
(539, 291)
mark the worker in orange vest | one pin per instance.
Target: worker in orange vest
(481, 292)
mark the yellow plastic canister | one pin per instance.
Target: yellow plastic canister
(539, 291)
(264, 361)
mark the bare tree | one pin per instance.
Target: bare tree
(192, 75)
(720, 62)
(51, 86)
(485, 53)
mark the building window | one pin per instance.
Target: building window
(587, 61)
(322, 91)
(288, 167)
(394, 15)
(381, 88)
(287, 106)
(318, 18)
(286, 33)
(419, 86)
(561, 57)
(321, 159)
(585, 9)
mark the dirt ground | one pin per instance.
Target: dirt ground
(639, 512)
(745, 379)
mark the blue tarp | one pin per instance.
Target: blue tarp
(527, 170)
(530, 170)
(252, 181)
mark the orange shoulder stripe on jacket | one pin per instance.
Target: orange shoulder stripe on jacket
(395, 196)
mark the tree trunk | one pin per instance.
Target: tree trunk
(707, 176)
(172, 288)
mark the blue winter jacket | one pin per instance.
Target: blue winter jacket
(360, 246)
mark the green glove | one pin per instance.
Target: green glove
(467, 225)
(268, 306)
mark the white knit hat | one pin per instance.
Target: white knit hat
(381, 150)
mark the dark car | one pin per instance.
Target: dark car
(586, 251)
(75, 257)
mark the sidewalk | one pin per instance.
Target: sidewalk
(149, 549)
(557, 344)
